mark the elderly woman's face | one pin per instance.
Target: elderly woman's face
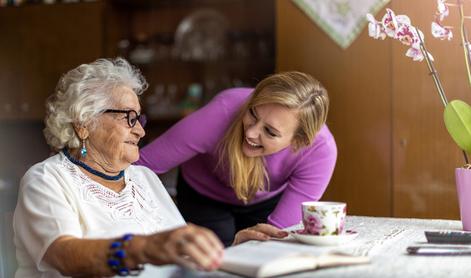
(113, 143)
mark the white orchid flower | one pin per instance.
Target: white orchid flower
(441, 32)
(443, 10)
(375, 28)
(390, 23)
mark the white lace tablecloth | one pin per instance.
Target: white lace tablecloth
(384, 240)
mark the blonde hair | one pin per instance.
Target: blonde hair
(293, 90)
(82, 94)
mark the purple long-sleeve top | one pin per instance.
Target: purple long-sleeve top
(192, 143)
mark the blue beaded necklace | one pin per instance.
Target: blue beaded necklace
(90, 169)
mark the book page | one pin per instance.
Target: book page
(269, 258)
(259, 252)
(259, 258)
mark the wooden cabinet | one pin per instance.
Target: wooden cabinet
(41, 42)
(192, 48)
(38, 44)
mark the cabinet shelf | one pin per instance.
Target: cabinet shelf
(28, 4)
(161, 64)
(159, 4)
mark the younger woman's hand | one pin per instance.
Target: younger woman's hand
(259, 232)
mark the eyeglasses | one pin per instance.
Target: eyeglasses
(131, 115)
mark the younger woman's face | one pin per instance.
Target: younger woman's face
(268, 129)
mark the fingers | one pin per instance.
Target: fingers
(270, 230)
(198, 246)
(215, 242)
(201, 250)
(259, 232)
(250, 234)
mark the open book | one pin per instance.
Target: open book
(271, 258)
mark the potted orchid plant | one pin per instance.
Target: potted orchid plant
(457, 113)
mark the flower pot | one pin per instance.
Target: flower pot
(463, 184)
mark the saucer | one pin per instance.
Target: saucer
(324, 240)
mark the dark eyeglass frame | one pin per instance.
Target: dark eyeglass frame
(141, 118)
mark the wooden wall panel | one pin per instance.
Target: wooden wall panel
(395, 155)
(39, 43)
(424, 154)
(359, 83)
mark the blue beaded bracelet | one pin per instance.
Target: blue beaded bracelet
(117, 256)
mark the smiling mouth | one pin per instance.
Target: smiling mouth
(253, 145)
(131, 143)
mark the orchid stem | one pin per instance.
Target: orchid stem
(465, 42)
(436, 79)
(433, 71)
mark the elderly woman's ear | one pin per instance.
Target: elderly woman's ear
(81, 131)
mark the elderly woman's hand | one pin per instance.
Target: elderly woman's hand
(190, 246)
(259, 232)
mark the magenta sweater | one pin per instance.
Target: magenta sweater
(192, 142)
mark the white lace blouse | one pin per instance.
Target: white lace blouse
(56, 198)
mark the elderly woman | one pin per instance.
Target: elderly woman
(87, 211)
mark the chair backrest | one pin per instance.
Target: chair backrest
(8, 264)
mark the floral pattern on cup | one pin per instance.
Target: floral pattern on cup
(312, 225)
(324, 218)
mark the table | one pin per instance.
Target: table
(384, 240)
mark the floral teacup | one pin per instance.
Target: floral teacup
(324, 218)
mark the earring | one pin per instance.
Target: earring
(83, 150)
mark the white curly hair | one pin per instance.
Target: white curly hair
(82, 94)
